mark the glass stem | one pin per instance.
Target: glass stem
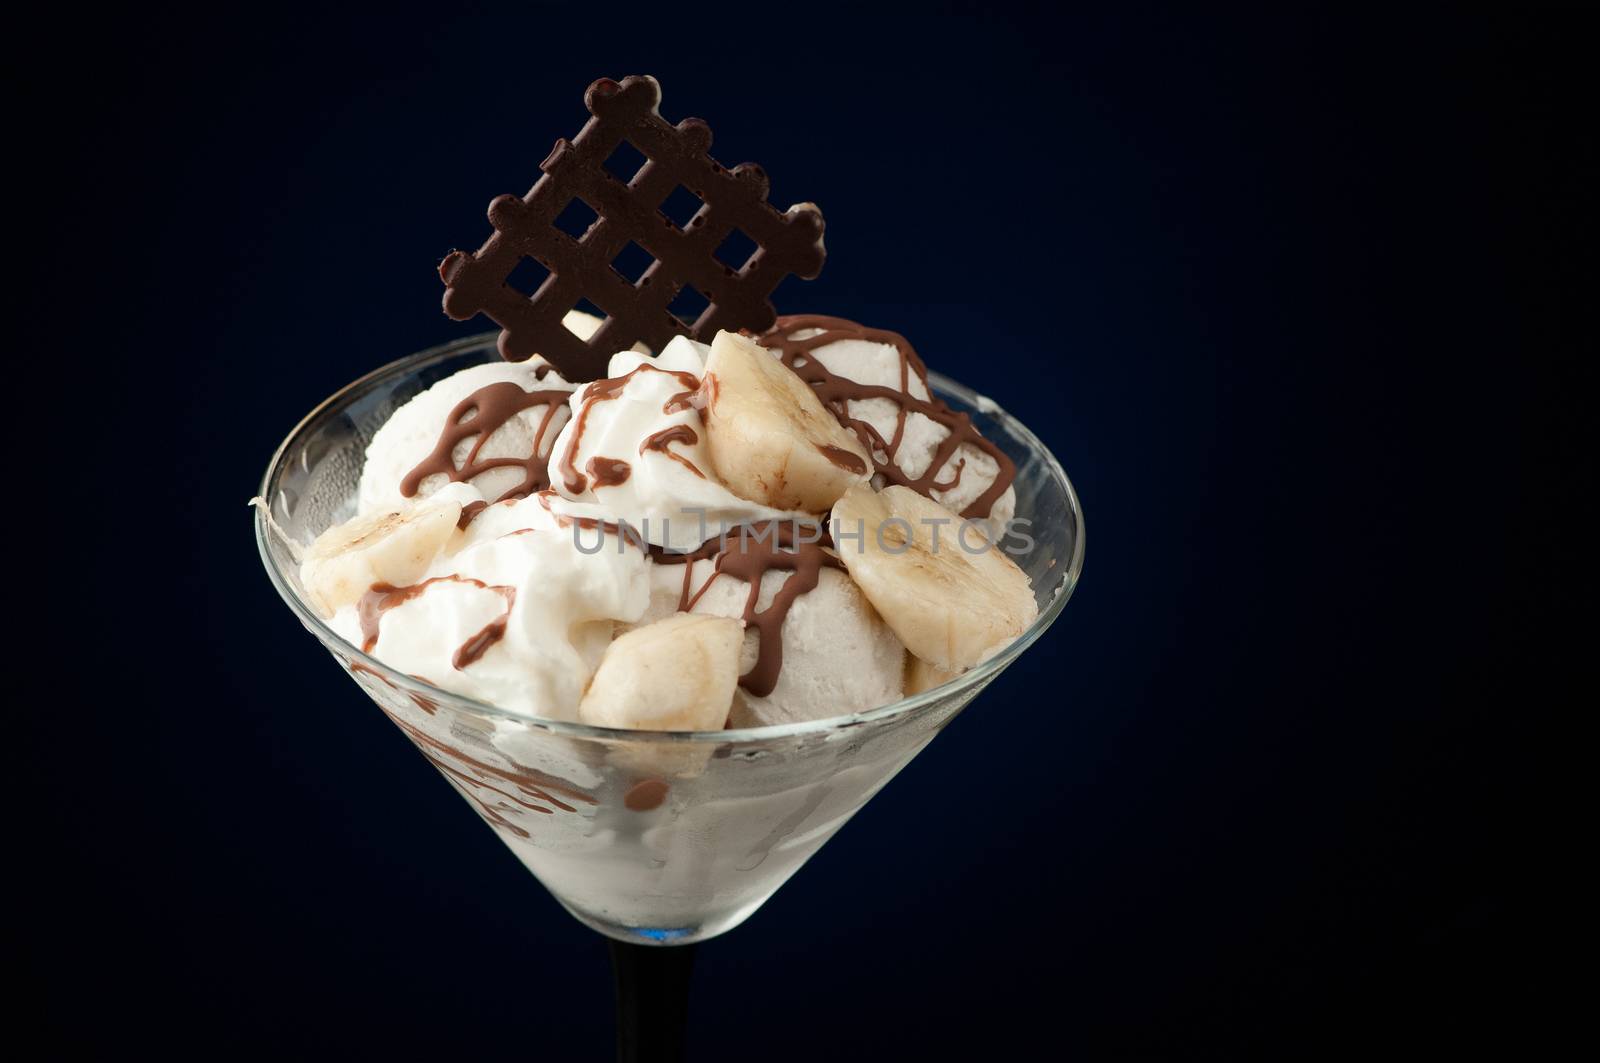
(652, 1000)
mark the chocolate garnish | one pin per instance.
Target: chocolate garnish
(382, 597)
(732, 200)
(836, 391)
(750, 553)
(481, 414)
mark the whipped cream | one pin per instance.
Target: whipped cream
(515, 615)
(650, 426)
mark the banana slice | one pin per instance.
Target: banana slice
(770, 438)
(584, 326)
(920, 675)
(676, 674)
(951, 603)
(393, 546)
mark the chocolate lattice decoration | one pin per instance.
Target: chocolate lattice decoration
(582, 269)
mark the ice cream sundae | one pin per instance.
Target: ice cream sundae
(667, 595)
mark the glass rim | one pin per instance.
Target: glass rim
(975, 676)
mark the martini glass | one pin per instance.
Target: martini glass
(651, 838)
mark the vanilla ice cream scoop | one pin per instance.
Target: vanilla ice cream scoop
(879, 387)
(440, 435)
(834, 654)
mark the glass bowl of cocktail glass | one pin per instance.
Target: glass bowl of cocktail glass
(650, 838)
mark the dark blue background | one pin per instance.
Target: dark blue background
(1275, 289)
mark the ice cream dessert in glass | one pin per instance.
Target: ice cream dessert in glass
(666, 600)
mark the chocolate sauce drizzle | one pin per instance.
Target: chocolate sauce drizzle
(481, 414)
(842, 458)
(601, 391)
(749, 553)
(608, 472)
(837, 391)
(382, 597)
(678, 433)
(693, 399)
